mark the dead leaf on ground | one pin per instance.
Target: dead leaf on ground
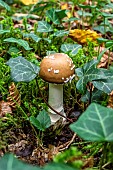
(4, 108)
(106, 59)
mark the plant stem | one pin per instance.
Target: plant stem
(104, 155)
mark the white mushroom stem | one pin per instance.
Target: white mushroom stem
(56, 101)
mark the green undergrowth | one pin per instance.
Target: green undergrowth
(88, 93)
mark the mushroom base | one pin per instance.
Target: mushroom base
(55, 101)
(55, 117)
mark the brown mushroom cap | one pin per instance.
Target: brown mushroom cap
(57, 68)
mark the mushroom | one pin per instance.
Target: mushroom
(57, 69)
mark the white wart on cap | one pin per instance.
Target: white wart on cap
(57, 68)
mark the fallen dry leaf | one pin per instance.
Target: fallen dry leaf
(4, 108)
(106, 59)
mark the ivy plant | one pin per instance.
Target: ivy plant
(101, 78)
(22, 69)
(9, 162)
(95, 124)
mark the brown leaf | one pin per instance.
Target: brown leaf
(4, 108)
(88, 163)
(110, 100)
(106, 59)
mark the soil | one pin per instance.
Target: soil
(26, 146)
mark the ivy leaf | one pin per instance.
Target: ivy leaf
(61, 33)
(20, 42)
(50, 52)
(42, 121)
(5, 5)
(95, 96)
(13, 49)
(51, 14)
(22, 70)
(43, 26)
(95, 124)
(47, 39)
(101, 78)
(72, 48)
(36, 123)
(101, 54)
(104, 85)
(79, 72)
(106, 82)
(101, 29)
(84, 14)
(61, 13)
(9, 162)
(33, 36)
(4, 31)
(87, 74)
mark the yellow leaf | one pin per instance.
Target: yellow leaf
(29, 2)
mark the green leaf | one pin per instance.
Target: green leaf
(101, 29)
(36, 123)
(87, 74)
(41, 5)
(106, 82)
(79, 72)
(4, 31)
(56, 15)
(109, 44)
(101, 78)
(61, 33)
(9, 162)
(5, 5)
(43, 26)
(101, 54)
(42, 121)
(95, 96)
(52, 15)
(50, 52)
(33, 36)
(107, 15)
(84, 14)
(73, 19)
(95, 124)
(20, 42)
(22, 70)
(86, 6)
(101, 40)
(13, 50)
(61, 13)
(47, 39)
(72, 48)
